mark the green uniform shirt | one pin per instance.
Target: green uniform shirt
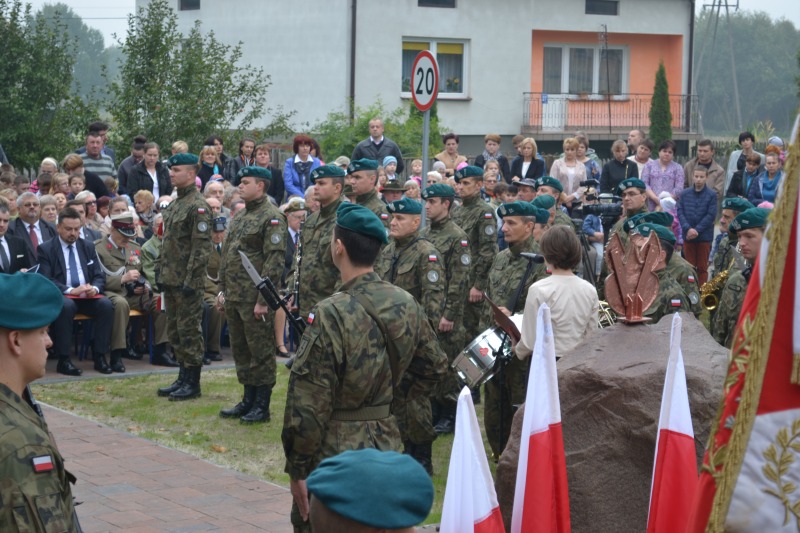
(373, 202)
(187, 241)
(685, 274)
(478, 221)
(670, 298)
(617, 227)
(727, 256)
(562, 219)
(150, 252)
(453, 246)
(723, 324)
(115, 263)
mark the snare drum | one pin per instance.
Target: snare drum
(475, 365)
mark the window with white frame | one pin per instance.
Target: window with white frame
(451, 57)
(584, 69)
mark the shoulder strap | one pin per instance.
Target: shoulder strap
(391, 349)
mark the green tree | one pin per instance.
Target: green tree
(660, 113)
(40, 116)
(174, 86)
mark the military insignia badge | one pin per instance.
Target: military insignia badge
(276, 238)
(384, 216)
(274, 222)
(202, 226)
(694, 298)
(432, 258)
(433, 276)
(487, 215)
(489, 230)
(310, 318)
(465, 259)
(201, 210)
(464, 244)
(691, 278)
(43, 463)
(675, 302)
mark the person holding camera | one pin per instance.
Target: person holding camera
(120, 259)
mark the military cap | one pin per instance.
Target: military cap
(405, 206)
(393, 185)
(438, 190)
(327, 171)
(362, 164)
(182, 159)
(361, 220)
(661, 232)
(549, 181)
(517, 209)
(29, 301)
(254, 172)
(123, 223)
(342, 161)
(631, 182)
(755, 217)
(661, 218)
(544, 201)
(385, 490)
(470, 171)
(736, 204)
(218, 224)
(295, 204)
(527, 182)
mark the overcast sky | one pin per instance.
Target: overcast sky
(110, 16)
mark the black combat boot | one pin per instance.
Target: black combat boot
(177, 384)
(422, 453)
(116, 360)
(243, 407)
(100, 364)
(447, 419)
(191, 386)
(260, 410)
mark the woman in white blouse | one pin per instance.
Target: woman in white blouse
(569, 171)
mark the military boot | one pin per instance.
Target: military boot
(243, 407)
(260, 410)
(191, 386)
(177, 384)
(422, 453)
(447, 419)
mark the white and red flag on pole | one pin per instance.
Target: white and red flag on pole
(541, 499)
(675, 466)
(470, 501)
(750, 478)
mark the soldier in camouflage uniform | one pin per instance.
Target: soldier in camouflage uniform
(453, 246)
(362, 176)
(181, 274)
(748, 231)
(508, 288)
(548, 185)
(213, 317)
(725, 254)
(346, 376)
(632, 191)
(259, 231)
(413, 264)
(35, 493)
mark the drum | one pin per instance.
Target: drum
(476, 364)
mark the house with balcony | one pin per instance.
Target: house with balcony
(545, 68)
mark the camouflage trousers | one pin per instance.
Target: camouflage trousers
(452, 344)
(297, 520)
(503, 392)
(122, 309)
(184, 315)
(414, 419)
(252, 343)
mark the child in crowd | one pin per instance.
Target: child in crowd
(491, 174)
(112, 185)
(593, 229)
(416, 171)
(412, 190)
(500, 191)
(76, 185)
(390, 167)
(60, 184)
(697, 210)
(670, 205)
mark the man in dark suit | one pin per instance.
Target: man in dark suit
(87, 233)
(28, 226)
(13, 255)
(71, 263)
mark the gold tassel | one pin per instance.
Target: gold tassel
(795, 377)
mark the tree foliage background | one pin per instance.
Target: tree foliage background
(660, 113)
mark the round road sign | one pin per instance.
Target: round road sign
(424, 80)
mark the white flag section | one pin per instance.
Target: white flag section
(470, 502)
(675, 465)
(541, 500)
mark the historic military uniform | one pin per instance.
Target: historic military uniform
(259, 231)
(213, 317)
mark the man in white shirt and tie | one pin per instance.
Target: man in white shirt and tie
(29, 227)
(13, 256)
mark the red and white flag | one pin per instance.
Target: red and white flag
(541, 500)
(470, 501)
(675, 466)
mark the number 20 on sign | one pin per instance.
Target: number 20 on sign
(424, 80)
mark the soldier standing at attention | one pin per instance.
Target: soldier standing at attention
(632, 191)
(182, 273)
(258, 231)
(508, 288)
(725, 254)
(548, 185)
(366, 345)
(362, 176)
(35, 492)
(413, 264)
(453, 246)
(213, 317)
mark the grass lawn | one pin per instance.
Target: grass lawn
(194, 427)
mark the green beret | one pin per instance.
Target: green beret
(755, 217)
(362, 164)
(544, 201)
(254, 172)
(438, 190)
(550, 181)
(42, 301)
(182, 159)
(361, 220)
(663, 233)
(384, 490)
(405, 206)
(661, 218)
(470, 171)
(327, 171)
(393, 185)
(517, 209)
(736, 204)
(631, 182)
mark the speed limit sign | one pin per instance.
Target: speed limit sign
(424, 80)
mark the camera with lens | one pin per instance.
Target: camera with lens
(590, 183)
(131, 286)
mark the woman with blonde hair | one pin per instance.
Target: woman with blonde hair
(210, 166)
(60, 184)
(526, 166)
(569, 171)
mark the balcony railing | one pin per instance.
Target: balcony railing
(596, 112)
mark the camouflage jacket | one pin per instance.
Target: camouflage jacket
(505, 276)
(114, 263)
(31, 500)
(343, 365)
(187, 241)
(479, 222)
(260, 232)
(319, 277)
(212, 271)
(150, 252)
(670, 299)
(727, 254)
(723, 324)
(373, 202)
(453, 246)
(562, 219)
(413, 264)
(685, 274)
(617, 227)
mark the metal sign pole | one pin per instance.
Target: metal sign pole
(426, 133)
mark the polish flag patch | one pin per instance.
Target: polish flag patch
(43, 463)
(464, 244)
(691, 278)
(487, 215)
(274, 222)
(310, 318)
(384, 216)
(201, 210)
(432, 258)
(676, 302)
